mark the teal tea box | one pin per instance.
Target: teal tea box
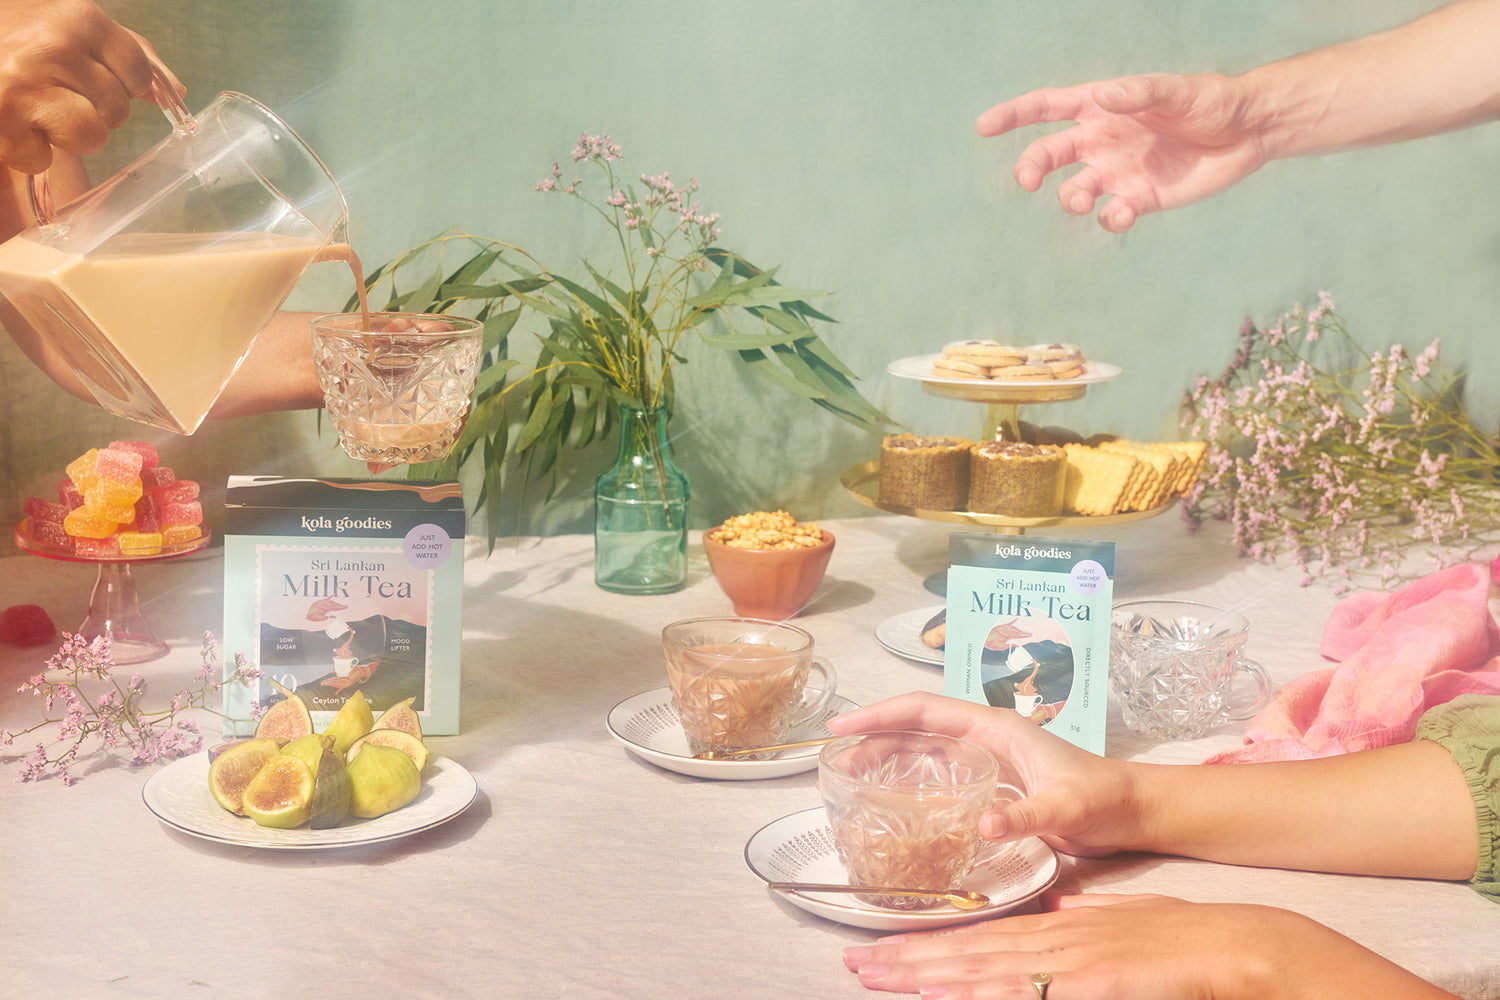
(1028, 629)
(333, 586)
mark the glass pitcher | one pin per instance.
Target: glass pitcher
(154, 284)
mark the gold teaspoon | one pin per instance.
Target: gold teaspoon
(773, 748)
(959, 898)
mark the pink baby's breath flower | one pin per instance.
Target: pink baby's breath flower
(1369, 469)
(1423, 365)
(112, 717)
(598, 148)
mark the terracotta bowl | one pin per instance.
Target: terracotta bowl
(768, 583)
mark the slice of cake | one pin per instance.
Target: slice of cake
(928, 473)
(1015, 479)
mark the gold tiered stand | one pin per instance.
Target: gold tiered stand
(862, 481)
(1002, 401)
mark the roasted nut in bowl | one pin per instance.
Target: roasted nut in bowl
(775, 584)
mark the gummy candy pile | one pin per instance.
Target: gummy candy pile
(118, 501)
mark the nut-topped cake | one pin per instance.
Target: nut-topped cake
(1015, 479)
(930, 473)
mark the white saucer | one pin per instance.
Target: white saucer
(648, 727)
(800, 848)
(920, 368)
(902, 635)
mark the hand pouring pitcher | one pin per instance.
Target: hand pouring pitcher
(153, 285)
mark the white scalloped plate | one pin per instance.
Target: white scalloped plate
(800, 848)
(902, 635)
(178, 795)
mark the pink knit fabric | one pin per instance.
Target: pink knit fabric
(1398, 655)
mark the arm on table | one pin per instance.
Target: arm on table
(1403, 810)
(1138, 948)
(1162, 140)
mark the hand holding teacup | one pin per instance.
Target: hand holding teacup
(397, 390)
(904, 808)
(1068, 797)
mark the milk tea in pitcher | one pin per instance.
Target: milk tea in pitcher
(153, 285)
(178, 310)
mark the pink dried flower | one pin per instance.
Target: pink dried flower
(1423, 364)
(598, 148)
(1340, 468)
(113, 717)
(666, 238)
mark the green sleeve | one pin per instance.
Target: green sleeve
(1468, 727)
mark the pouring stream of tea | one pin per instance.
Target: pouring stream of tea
(345, 253)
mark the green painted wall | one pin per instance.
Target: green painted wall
(835, 138)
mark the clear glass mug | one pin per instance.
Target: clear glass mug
(739, 683)
(154, 284)
(1176, 667)
(904, 810)
(400, 392)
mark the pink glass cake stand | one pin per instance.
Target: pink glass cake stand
(114, 609)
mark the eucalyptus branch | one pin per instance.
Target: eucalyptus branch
(608, 344)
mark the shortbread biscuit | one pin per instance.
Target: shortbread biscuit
(1054, 352)
(1064, 369)
(1195, 452)
(1170, 465)
(985, 352)
(1022, 372)
(1164, 464)
(946, 367)
(1096, 480)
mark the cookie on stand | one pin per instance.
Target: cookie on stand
(992, 360)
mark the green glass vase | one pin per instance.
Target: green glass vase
(640, 511)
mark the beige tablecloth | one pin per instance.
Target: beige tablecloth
(583, 871)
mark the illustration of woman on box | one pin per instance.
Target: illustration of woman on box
(356, 656)
(1035, 677)
(381, 655)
